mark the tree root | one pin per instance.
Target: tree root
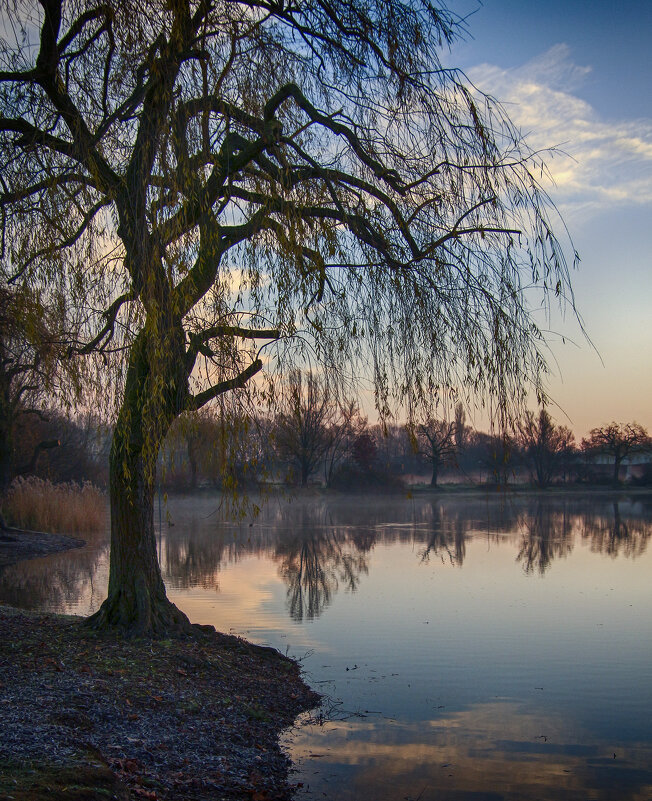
(136, 613)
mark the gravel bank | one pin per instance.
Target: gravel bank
(87, 716)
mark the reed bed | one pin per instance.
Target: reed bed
(70, 508)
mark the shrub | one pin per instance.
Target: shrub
(350, 477)
(39, 505)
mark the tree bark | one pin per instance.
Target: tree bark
(137, 603)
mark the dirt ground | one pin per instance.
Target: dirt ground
(89, 716)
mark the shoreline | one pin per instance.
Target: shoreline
(442, 490)
(90, 716)
(85, 715)
(17, 545)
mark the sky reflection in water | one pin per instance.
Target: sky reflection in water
(473, 648)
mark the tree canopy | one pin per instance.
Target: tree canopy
(435, 440)
(203, 179)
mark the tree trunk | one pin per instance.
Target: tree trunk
(137, 603)
(193, 444)
(542, 475)
(305, 472)
(617, 461)
(435, 472)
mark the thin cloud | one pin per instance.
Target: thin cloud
(597, 163)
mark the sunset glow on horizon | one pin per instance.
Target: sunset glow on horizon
(579, 82)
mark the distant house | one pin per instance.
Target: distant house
(634, 467)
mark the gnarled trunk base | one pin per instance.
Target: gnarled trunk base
(137, 604)
(137, 611)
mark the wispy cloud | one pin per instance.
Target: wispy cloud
(598, 162)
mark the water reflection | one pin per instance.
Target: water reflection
(322, 545)
(547, 534)
(463, 674)
(448, 535)
(315, 563)
(621, 533)
(550, 532)
(196, 560)
(489, 751)
(57, 582)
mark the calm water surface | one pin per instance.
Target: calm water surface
(469, 648)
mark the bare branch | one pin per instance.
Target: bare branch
(195, 402)
(101, 340)
(198, 341)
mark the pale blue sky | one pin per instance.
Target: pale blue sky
(578, 75)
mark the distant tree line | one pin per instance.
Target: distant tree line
(310, 436)
(313, 437)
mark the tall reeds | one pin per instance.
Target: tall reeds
(38, 505)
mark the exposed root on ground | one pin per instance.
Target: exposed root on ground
(139, 613)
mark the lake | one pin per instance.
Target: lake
(468, 647)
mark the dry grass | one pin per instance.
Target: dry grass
(71, 508)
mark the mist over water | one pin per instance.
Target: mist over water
(469, 647)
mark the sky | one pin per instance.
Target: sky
(577, 76)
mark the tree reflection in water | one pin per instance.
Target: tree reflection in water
(322, 544)
(547, 534)
(57, 582)
(550, 531)
(622, 533)
(448, 536)
(195, 558)
(316, 560)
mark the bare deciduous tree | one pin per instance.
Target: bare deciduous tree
(303, 425)
(342, 432)
(618, 440)
(435, 440)
(544, 445)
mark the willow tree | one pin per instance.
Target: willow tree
(207, 178)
